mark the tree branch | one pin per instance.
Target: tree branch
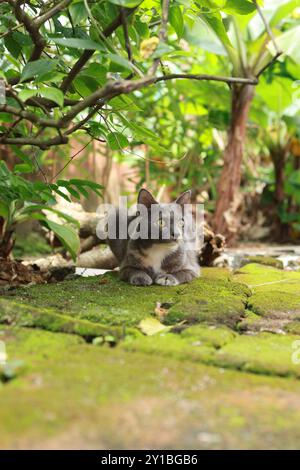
(80, 124)
(215, 78)
(116, 88)
(32, 29)
(126, 35)
(31, 117)
(162, 33)
(99, 98)
(88, 53)
(42, 144)
(50, 13)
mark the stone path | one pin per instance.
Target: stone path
(222, 372)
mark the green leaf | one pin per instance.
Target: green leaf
(161, 50)
(216, 24)
(90, 184)
(78, 12)
(37, 68)
(119, 60)
(4, 209)
(80, 185)
(117, 141)
(67, 236)
(176, 20)
(76, 43)
(53, 94)
(85, 85)
(240, 7)
(288, 42)
(43, 207)
(27, 94)
(283, 11)
(126, 3)
(12, 46)
(6, 117)
(96, 71)
(23, 168)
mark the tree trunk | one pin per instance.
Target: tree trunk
(224, 220)
(279, 155)
(6, 240)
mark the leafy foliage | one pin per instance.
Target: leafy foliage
(22, 200)
(112, 70)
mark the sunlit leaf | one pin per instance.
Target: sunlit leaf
(53, 94)
(37, 68)
(67, 236)
(176, 20)
(151, 326)
(117, 141)
(76, 43)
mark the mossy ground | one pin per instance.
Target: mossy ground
(264, 260)
(107, 300)
(220, 379)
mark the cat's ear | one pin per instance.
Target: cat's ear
(146, 198)
(184, 198)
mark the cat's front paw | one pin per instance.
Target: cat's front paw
(166, 280)
(141, 279)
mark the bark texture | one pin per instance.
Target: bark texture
(224, 220)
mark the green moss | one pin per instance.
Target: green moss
(193, 386)
(254, 274)
(209, 334)
(249, 321)
(265, 353)
(274, 292)
(25, 315)
(265, 260)
(276, 301)
(75, 395)
(107, 300)
(213, 301)
(172, 346)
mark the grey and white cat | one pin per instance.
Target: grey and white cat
(165, 261)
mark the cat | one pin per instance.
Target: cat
(166, 259)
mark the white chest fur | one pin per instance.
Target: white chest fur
(154, 256)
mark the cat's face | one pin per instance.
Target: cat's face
(164, 223)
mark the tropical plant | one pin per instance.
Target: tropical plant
(252, 38)
(76, 67)
(23, 200)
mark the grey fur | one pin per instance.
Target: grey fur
(165, 262)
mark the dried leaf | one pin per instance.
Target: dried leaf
(151, 326)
